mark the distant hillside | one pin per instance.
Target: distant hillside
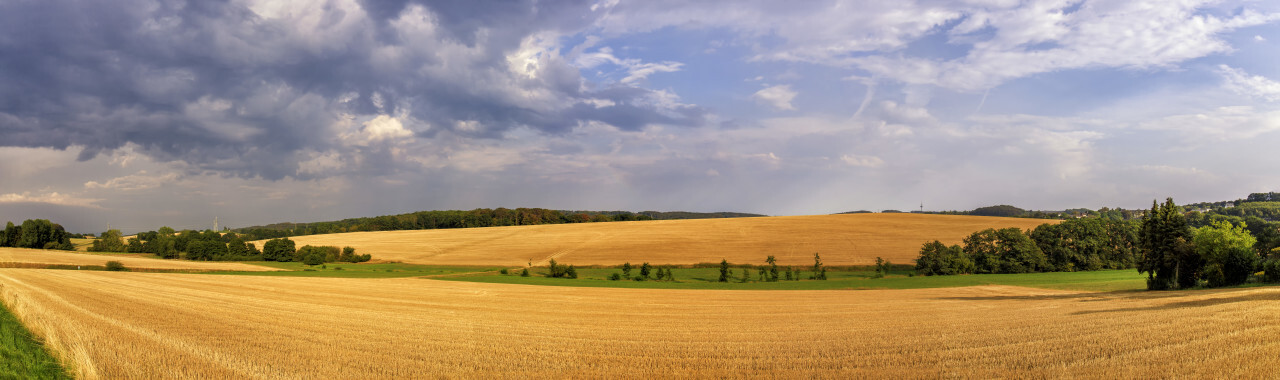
(1263, 206)
(840, 240)
(1001, 210)
(483, 217)
(670, 215)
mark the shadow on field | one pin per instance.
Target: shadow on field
(1267, 296)
(1083, 297)
(1098, 296)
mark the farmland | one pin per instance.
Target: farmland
(160, 325)
(841, 240)
(23, 257)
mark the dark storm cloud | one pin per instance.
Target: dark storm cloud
(214, 84)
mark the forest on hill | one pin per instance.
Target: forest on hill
(1263, 206)
(481, 217)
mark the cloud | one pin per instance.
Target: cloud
(1003, 40)
(778, 97)
(1257, 86)
(1044, 37)
(862, 161)
(810, 31)
(636, 70)
(1214, 126)
(247, 88)
(53, 198)
(385, 127)
(138, 181)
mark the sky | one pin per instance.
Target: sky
(137, 114)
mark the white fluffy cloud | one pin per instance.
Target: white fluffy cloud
(385, 127)
(778, 97)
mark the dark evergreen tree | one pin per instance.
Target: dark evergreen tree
(1166, 249)
(724, 270)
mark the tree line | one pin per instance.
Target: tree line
(210, 245)
(37, 234)
(1073, 245)
(481, 217)
(1175, 249)
(426, 220)
(282, 249)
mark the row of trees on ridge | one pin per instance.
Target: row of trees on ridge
(37, 234)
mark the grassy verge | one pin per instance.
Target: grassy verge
(361, 270)
(706, 278)
(21, 355)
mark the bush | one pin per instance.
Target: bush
(116, 266)
(1271, 269)
(524, 272)
(281, 249)
(571, 272)
(349, 255)
(882, 268)
(313, 259)
(504, 271)
(1159, 283)
(615, 277)
(109, 242)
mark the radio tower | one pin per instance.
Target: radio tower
(215, 224)
(921, 207)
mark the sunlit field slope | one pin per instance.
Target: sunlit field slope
(841, 240)
(20, 257)
(162, 325)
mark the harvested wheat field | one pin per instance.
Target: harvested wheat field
(855, 239)
(22, 257)
(162, 325)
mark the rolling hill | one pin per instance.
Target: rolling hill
(851, 239)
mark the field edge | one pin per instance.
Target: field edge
(23, 355)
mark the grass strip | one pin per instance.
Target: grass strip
(22, 356)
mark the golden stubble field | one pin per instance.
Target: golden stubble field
(162, 325)
(855, 239)
(21, 256)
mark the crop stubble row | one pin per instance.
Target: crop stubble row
(115, 325)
